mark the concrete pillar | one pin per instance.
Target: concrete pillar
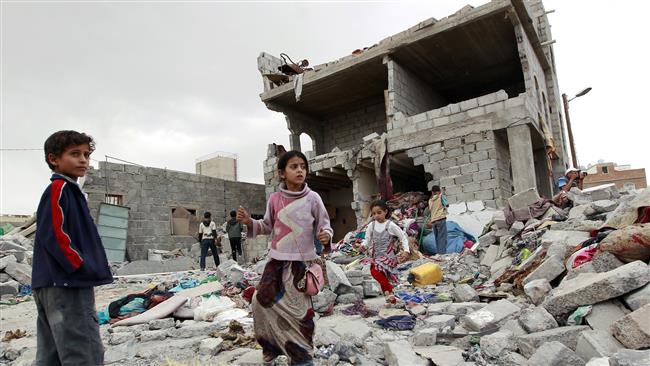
(294, 142)
(521, 158)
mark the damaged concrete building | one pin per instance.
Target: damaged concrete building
(470, 102)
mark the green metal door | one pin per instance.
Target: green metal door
(113, 224)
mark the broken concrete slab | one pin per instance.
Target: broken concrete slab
(523, 199)
(323, 300)
(602, 206)
(638, 298)
(587, 289)
(210, 346)
(356, 330)
(10, 287)
(463, 308)
(496, 343)
(19, 272)
(465, 293)
(490, 255)
(425, 337)
(568, 238)
(550, 269)
(566, 335)
(371, 288)
(536, 320)
(633, 330)
(338, 282)
(4, 261)
(514, 326)
(555, 353)
(400, 353)
(499, 219)
(628, 357)
(440, 321)
(490, 315)
(536, 290)
(604, 314)
(442, 355)
(596, 343)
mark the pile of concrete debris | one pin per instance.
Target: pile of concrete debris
(15, 265)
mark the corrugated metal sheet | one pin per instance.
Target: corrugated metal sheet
(113, 224)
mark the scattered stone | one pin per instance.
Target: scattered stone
(555, 354)
(536, 320)
(628, 357)
(604, 314)
(4, 261)
(153, 335)
(523, 199)
(10, 287)
(550, 269)
(536, 290)
(252, 357)
(587, 289)
(633, 330)
(355, 277)
(162, 323)
(418, 310)
(603, 206)
(513, 359)
(400, 353)
(476, 206)
(19, 272)
(324, 336)
(122, 352)
(488, 239)
(388, 312)
(566, 335)
(636, 299)
(440, 321)
(442, 355)
(425, 337)
(596, 343)
(465, 293)
(514, 326)
(323, 300)
(517, 227)
(496, 343)
(337, 279)
(490, 315)
(598, 361)
(193, 330)
(357, 330)
(605, 262)
(490, 255)
(371, 288)
(345, 299)
(499, 219)
(119, 338)
(210, 346)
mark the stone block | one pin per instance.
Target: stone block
(153, 335)
(355, 277)
(4, 261)
(488, 239)
(356, 330)
(501, 264)
(536, 290)
(161, 323)
(210, 346)
(475, 206)
(555, 353)
(496, 343)
(638, 298)
(566, 335)
(587, 289)
(523, 199)
(514, 326)
(633, 330)
(194, 329)
(119, 338)
(347, 298)
(463, 308)
(400, 353)
(465, 293)
(10, 287)
(20, 272)
(596, 343)
(500, 220)
(490, 315)
(338, 282)
(550, 269)
(442, 355)
(457, 208)
(604, 314)
(628, 357)
(440, 321)
(536, 320)
(425, 337)
(371, 288)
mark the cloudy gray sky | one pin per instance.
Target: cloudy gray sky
(162, 83)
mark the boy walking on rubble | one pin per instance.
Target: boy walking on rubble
(69, 259)
(438, 221)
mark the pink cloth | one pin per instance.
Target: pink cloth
(294, 219)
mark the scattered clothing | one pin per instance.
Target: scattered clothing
(397, 322)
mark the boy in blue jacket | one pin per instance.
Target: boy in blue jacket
(69, 259)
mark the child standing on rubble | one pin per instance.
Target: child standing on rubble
(282, 313)
(69, 259)
(438, 220)
(208, 240)
(382, 235)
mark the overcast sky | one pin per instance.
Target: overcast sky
(161, 84)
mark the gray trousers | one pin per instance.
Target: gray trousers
(67, 328)
(440, 230)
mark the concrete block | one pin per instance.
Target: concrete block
(555, 354)
(633, 330)
(536, 320)
(210, 346)
(523, 199)
(4, 261)
(476, 206)
(425, 337)
(514, 326)
(465, 293)
(490, 315)
(628, 357)
(496, 343)
(10, 287)
(588, 289)
(440, 321)
(636, 299)
(502, 263)
(500, 220)
(549, 270)
(442, 355)
(604, 314)
(20, 272)
(119, 338)
(463, 308)
(355, 277)
(566, 335)
(457, 208)
(357, 330)
(153, 335)
(371, 288)
(162, 323)
(596, 343)
(338, 282)
(488, 239)
(468, 104)
(536, 290)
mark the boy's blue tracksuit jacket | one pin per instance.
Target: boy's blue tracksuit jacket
(67, 249)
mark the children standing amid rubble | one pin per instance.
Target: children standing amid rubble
(207, 238)
(282, 313)
(381, 237)
(69, 259)
(234, 230)
(438, 220)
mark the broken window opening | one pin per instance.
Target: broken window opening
(184, 221)
(307, 143)
(605, 170)
(114, 199)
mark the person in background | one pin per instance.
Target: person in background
(572, 178)
(69, 259)
(208, 238)
(234, 230)
(381, 238)
(438, 221)
(283, 316)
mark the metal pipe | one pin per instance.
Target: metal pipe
(567, 121)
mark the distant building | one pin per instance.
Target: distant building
(623, 176)
(218, 165)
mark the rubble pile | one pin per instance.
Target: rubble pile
(15, 266)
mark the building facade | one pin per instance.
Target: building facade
(625, 178)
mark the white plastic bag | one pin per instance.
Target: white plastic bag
(210, 307)
(224, 318)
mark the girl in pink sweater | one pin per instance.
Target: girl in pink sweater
(282, 313)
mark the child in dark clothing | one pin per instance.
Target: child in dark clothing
(234, 230)
(208, 239)
(69, 259)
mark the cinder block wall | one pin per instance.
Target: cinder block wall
(409, 94)
(346, 130)
(151, 193)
